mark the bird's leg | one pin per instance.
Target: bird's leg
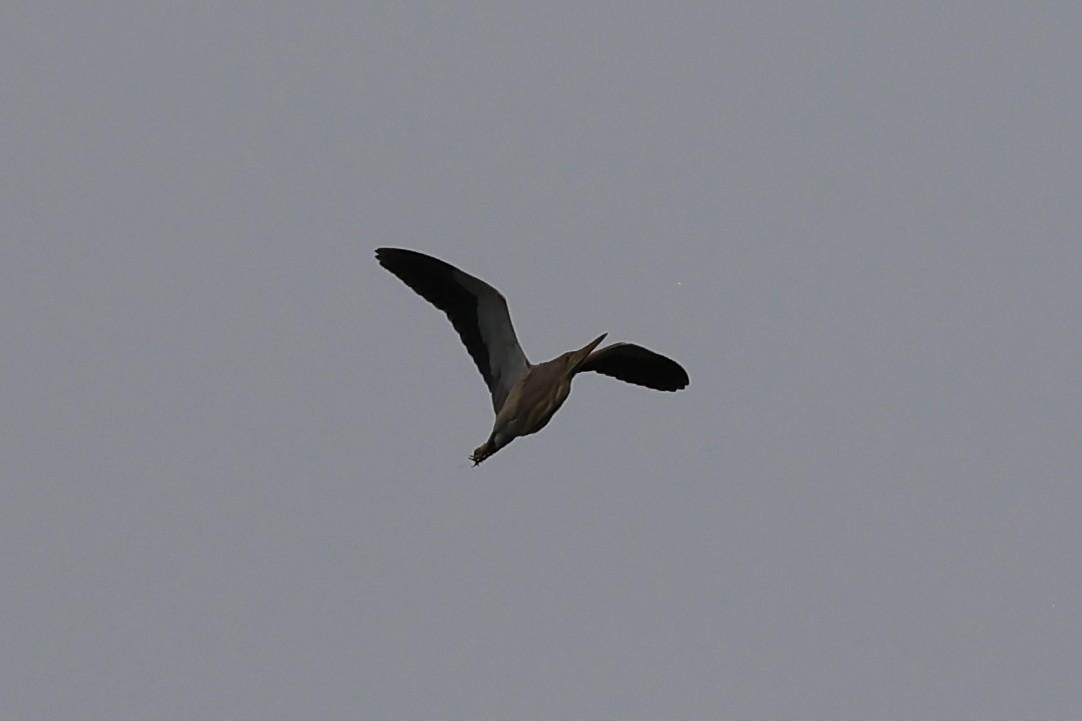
(499, 438)
(495, 442)
(482, 452)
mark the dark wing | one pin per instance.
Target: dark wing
(635, 364)
(476, 310)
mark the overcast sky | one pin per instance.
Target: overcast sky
(234, 449)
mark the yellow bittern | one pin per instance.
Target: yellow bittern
(524, 396)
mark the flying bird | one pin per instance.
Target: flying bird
(524, 396)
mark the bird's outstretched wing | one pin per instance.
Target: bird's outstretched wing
(476, 310)
(635, 364)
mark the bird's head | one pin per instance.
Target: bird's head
(576, 358)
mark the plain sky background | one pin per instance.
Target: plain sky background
(233, 448)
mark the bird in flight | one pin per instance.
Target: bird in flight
(524, 396)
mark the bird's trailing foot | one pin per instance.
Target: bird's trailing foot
(482, 452)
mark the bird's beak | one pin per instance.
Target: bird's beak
(583, 353)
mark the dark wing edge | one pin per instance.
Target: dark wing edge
(477, 311)
(634, 364)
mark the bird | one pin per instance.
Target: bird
(524, 395)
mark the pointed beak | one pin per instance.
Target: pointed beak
(583, 353)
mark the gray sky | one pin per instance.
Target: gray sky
(233, 449)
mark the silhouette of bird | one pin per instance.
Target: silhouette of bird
(524, 396)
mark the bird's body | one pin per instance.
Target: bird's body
(524, 396)
(532, 402)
